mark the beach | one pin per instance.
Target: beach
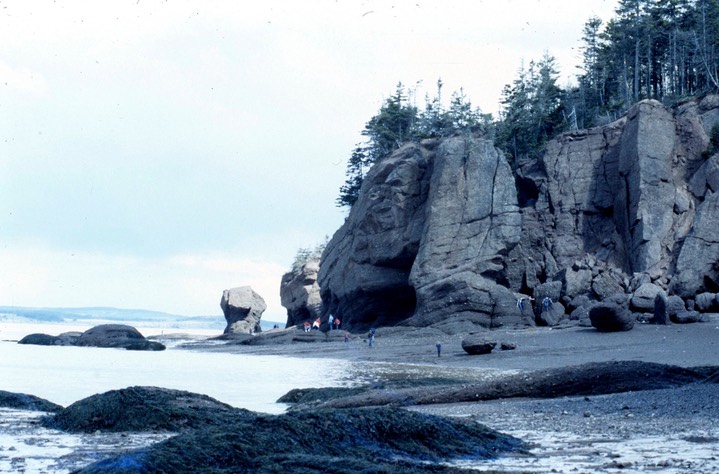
(668, 430)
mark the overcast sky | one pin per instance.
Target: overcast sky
(156, 152)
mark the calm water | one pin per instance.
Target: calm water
(66, 374)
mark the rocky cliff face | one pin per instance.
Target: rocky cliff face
(445, 234)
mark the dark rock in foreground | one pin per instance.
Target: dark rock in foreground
(144, 409)
(22, 401)
(383, 440)
(104, 335)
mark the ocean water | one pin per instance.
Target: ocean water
(64, 375)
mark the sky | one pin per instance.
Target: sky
(154, 153)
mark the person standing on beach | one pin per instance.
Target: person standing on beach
(329, 322)
(370, 339)
(439, 349)
(347, 337)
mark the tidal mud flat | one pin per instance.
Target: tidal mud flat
(661, 419)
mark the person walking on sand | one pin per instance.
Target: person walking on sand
(370, 339)
(439, 349)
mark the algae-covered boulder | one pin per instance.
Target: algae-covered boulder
(386, 440)
(23, 401)
(140, 409)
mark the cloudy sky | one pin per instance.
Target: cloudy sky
(156, 152)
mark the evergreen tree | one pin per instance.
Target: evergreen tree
(398, 122)
(532, 110)
(388, 130)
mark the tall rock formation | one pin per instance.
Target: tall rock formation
(427, 240)
(300, 294)
(445, 234)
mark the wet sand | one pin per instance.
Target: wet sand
(536, 348)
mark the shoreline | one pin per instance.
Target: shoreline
(537, 348)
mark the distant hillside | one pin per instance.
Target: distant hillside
(112, 314)
(59, 315)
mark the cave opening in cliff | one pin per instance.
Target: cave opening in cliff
(382, 308)
(527, 192)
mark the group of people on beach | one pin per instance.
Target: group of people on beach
(332, 323)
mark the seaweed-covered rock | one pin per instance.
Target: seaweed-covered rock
(586, 379)
(104, 335)
(386, 440)
(22, 401)
(144, 409)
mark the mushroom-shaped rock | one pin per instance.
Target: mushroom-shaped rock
(243, 310)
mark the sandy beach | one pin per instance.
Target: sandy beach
(536, 347)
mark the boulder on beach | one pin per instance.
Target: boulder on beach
(611, 317)
(686, 317)
(477, 345)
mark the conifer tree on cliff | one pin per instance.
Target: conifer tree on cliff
(385, 132)
(532, 111)
(399, 122)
